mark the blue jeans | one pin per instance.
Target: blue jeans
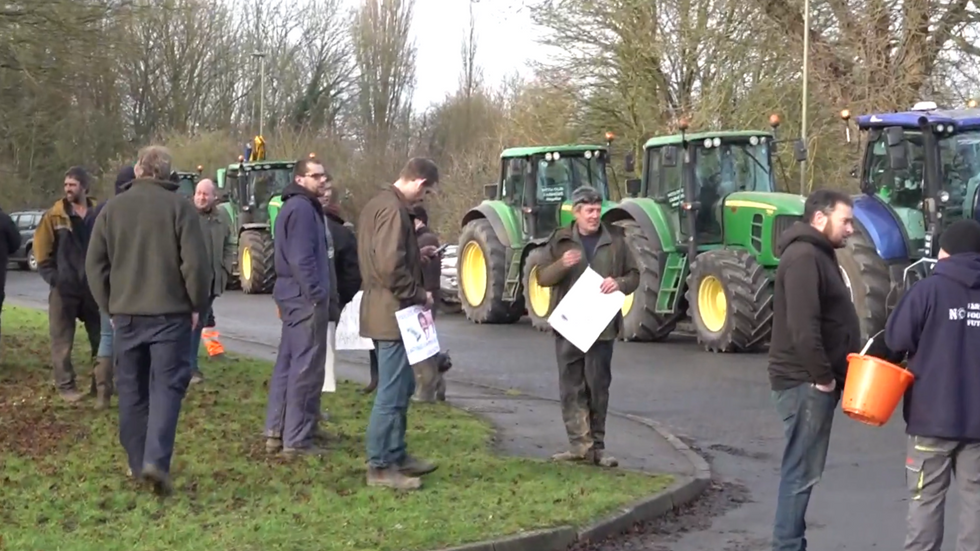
(196, 335)
(807, 414)
(386, 428)
(105, 337)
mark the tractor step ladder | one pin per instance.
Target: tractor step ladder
(672, 281)
(513, 284)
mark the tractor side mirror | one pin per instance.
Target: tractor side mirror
(895, 140)
(630, 163)
(799, 151)
(670, 156)
(633, 187)
(490, 191)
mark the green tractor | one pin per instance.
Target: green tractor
(498, 253)
(702, 223)
(251, 194)
(187, 182)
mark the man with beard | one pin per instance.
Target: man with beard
(221, 252)
(60, 243)
(814, 328)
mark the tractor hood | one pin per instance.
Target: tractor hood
(772, 203)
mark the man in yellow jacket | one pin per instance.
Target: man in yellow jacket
(60, 244)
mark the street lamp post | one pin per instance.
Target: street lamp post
(806, 78)
(261, 57)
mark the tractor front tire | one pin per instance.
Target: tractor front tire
(537, 298)
(866, 276)
(481, 269)
(256, 262)
(640, 320)
(730, 301)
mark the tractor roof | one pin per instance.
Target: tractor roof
(675, 139)
(961, 119)
(542, 149)
(263, 165)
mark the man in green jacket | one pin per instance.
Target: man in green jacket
(221, 253)
(584, 377)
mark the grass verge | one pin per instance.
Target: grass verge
(62, 472)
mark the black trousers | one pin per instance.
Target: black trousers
(153, 370)
(583, 384)
(63, 311)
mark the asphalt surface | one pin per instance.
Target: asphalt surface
(719, 404)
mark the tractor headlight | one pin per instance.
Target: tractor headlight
(588, 155)
(547, 157)
(707, 143)
(717, 142)
(754, 140)
(940, 128)
(943, 196)
(555, 156)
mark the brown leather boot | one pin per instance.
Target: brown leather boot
(103, 382)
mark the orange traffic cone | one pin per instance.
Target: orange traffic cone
(211, 342)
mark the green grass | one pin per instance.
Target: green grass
(63, 484)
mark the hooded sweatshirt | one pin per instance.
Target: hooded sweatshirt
(937, 323)
(814, 325)
(124, 179)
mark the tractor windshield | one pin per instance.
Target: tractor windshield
(266, 183)
(557, 179)
(733, 166)
(185, 187)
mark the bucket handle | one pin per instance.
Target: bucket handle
(870, 342)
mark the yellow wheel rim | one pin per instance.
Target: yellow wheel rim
(627, 304)
(539, 296)
(473, 274)
(712, 304)
(246, 264)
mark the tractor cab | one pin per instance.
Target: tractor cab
(539, 181)
(187, 182)
(924, 166)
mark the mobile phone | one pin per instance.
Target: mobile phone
(442, 249)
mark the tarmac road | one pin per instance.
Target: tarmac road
(718, 403)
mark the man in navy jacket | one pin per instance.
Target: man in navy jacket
(302, 293)
(937, 323)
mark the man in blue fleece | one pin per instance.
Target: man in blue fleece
(937, 323)
(302, 294)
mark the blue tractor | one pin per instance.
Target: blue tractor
(920, 172)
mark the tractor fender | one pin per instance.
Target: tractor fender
(253, 226)
(882, 226)
(501, 218)
(648, 215)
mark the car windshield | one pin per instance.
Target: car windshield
(268, 182)
(557, 179)
(734, 166)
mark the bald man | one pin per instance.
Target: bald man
(221, 252)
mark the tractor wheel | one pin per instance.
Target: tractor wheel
(481, 269)
(866, 276)
(256, 264)
(640, 322)
(536, 297)
(730, 298)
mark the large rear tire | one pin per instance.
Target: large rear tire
(640, 321)
(867, 277)
(536, 297)
(730, 298)
(481, 269)
(256, 262)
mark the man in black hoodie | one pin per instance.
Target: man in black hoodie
(9, 243)
(937, 323)
(814, 328)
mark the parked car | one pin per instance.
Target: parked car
(26, 221)
(448, 283)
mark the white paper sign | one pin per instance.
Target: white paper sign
(330, 377)
(585, 311)
(418, 333)
(349, 327)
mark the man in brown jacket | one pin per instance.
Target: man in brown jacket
(584, 378)
(391, 269)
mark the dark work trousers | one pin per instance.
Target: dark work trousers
(583, 383)
(807, 414)
(63, 311)
(297, 378)
(930, 464)
(153, 371)
(427, 376)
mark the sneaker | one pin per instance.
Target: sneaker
(567, 456)
(392, 478)
(416, 467)
(603, 459)
(197, 377)
(72, 396)
(273, 445)
(309, 451)
(158, 479)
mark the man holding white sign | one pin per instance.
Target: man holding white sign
(584, 377)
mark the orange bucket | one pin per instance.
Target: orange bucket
(873, 389)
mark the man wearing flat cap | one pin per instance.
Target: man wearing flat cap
(937, 323)
(584, 377)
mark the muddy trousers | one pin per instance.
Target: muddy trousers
(807, 414)
(63, 311)
(583, 383)
(293, 412)
(930, 465)
(152, 375)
